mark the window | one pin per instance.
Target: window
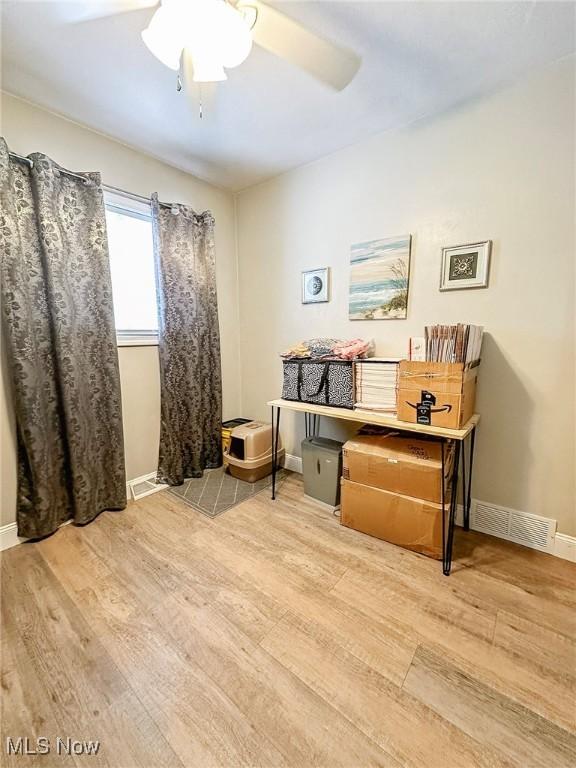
(129, 226)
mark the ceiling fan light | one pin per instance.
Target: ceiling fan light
(215, 31)
(235, 37)
(163, 38)
(206, 71)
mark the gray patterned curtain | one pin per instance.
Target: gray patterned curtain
(61, 345)
(188, 343)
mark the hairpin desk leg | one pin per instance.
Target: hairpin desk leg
(462, 449)
(443, 502)
(468, 500)
(448, 531)
(275, 433)
(453, 505)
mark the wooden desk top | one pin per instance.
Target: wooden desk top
(374, 417)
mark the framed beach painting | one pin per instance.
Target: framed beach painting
(379, 279)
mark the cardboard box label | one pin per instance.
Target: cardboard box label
(423, 413)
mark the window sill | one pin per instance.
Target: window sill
(137, 340)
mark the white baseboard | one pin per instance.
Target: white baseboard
(459, 519)
(140, 479)
(565, 547)
(9, 533)
(562, 545)
(9, 536)
(293, 463)
(150, 477)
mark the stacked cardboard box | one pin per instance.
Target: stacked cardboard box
(392, 489)
(437, 394)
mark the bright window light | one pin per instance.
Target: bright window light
(132, 270)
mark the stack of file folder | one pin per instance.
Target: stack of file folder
(453, 343)
(377, 384)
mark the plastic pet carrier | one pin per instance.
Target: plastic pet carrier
(227, 427)
(249, 456)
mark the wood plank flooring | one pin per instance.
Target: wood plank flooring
(273, 636)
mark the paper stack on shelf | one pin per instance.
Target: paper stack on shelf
(453, 343)
(377, 384)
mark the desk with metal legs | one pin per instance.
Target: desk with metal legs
(460, 437)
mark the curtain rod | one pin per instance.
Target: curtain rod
(107, 187)
(30, 163)
(140, 198)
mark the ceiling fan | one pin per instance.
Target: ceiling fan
(201, 38)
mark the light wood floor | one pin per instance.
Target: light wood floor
(272, 636)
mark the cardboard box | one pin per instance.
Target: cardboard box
(410, 523)
(436, 394)
(399, 462)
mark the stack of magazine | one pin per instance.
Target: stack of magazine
(453, 343)
(377, 384)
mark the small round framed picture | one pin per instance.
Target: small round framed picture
(316, 285)
(465, 266)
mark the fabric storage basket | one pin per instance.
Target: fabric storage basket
(322, 382)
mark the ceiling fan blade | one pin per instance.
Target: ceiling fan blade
(287, 38)
(77, 12)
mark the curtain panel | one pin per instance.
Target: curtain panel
(60, 344)
(188, 343)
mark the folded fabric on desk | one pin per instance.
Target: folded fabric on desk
(322, 348)
(351, 350)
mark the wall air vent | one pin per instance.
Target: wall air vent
(522, 528)
(144, 486)
(490, 520)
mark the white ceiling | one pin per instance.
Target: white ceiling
(419, 58)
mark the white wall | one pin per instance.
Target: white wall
(27, 129)
(502, 168)
(499, 169)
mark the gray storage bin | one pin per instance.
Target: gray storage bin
(322, 468)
